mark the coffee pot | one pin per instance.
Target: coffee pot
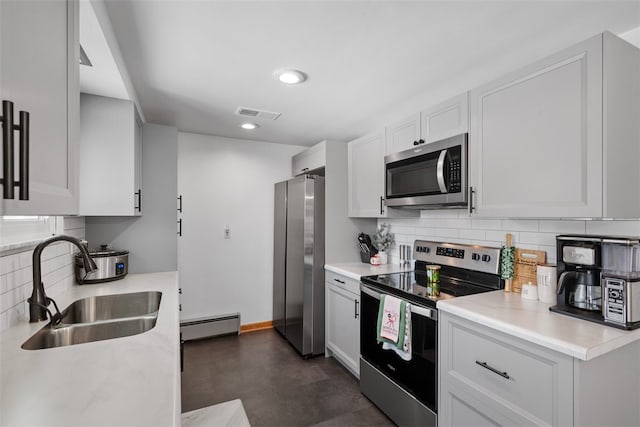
(582, 289)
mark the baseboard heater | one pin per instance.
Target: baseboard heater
(207, 327)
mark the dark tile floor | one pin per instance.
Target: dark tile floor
(276, 385)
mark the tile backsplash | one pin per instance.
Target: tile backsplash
(456, 226)
(16, 274)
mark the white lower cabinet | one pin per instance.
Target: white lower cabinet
(342, 320)
(489, 378)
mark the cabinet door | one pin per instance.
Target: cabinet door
(366, 176)
(446, 119)
(110, 155)
(343, 326)
(535, 143)
(309, 160)
(402, 135)
(39, 73)
(137, 164)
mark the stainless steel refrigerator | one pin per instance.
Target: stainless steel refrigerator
(298, 263)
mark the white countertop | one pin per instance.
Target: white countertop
(532, 321)
(129, 381)
(355, 270)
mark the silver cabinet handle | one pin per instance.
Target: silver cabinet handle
(357, 312)
(471, 193)
(381, 206)
(180, 203)
(180, 227)
(440, 172)
(492, 369)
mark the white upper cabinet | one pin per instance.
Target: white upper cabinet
(441, 121)
(403, 135)
(546, 140)
(446, 119)
(309, 160)
(39, 74)
(366, 181)
(366, 176)
(110, 157)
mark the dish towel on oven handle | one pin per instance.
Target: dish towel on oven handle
(394, 326)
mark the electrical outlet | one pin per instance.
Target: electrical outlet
(227, 232)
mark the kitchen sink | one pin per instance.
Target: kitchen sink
(109, 307)
(80, 333)
(99, 318)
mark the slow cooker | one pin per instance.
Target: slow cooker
(112, 265)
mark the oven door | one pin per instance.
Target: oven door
(431, 174)
(417, 376)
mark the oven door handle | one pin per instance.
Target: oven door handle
(440, 172)
(416, 309)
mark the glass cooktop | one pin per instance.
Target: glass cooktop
(414, 286)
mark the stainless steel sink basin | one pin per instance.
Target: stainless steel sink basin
(99, 318)
(109, 307)
(62, 335)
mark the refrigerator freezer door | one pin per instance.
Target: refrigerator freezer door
(279, 256)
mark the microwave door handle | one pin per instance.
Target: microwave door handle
(440, 172)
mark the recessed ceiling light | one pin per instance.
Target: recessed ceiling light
(291, 77)
(249, 126)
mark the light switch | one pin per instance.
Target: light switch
(227, 232)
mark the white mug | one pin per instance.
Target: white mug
(529, 291)
(547, 283)
(375, 260)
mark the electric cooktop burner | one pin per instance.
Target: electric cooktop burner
(465, 270)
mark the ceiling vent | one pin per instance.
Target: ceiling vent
(252, 112)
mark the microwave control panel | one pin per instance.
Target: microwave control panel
(455, 179)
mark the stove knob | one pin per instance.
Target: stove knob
(486, 258)
(475, 257)
(426, 250)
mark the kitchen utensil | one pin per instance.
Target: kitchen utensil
(506, 263)
(529, 291)
(525, 267)
(375, 260)
(112, 265)
(547, 279)
(366, 248)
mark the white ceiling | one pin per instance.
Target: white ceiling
(369, 62)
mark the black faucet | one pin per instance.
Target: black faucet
(39, 301)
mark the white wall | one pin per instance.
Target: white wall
(16, 274)
(456, 226)
(150, 238)
(227, 181)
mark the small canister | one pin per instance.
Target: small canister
(433, 277)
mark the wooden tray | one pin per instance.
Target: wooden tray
(526, 263)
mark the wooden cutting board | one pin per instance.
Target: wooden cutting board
(526, 263)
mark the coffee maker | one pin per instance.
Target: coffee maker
(579, 272)
(599, 279)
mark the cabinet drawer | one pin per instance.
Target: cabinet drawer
(309, 160)
(523, 377)
(344, 282)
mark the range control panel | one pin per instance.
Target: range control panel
(471, 257)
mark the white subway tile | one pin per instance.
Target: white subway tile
(520, 225)
(442, 213)
(551, 253)
(459, 223)
(486, 224)
(548, 239)
(501, 236)
(4, 321)
(562, 227)
(473, 234)
(622, 228)
(402, 230)
(9, 263)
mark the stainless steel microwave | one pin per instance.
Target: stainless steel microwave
(428, 176)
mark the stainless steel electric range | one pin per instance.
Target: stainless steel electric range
(407, 391)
